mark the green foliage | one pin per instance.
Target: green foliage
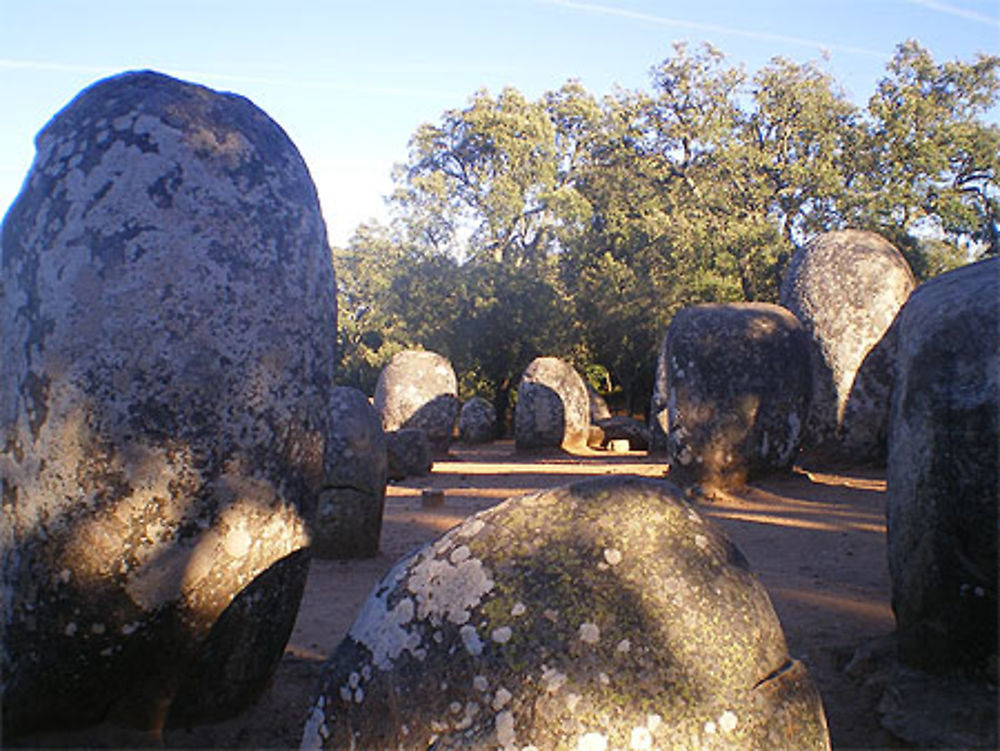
(574, 227)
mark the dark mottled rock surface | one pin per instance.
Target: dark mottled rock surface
(846, 287)
(348, 519)
(736, 389)
(477, 421)
(167, 305)
(624, 428)
(553, 408)
(599, 615)
(943, 476)
(408, 452)
(418, 389)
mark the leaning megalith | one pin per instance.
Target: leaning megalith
(168, 311)
(603, 614)
(846, 287)
(943, 478)
(736, 389)
(553, 408)
(418, 389)
(348, 520)
(477, 421)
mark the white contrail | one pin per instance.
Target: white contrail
(952, 10)
(611, 10)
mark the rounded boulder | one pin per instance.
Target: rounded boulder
(846, 287)
(168, 313)
(736, 389)
(553, 406)
(348, 520)
(418, 389)
(477, 421)
(944, 450)
(603, 614)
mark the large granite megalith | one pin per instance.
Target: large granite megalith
(734, 384)
(553, 407)
(418, 389)
(348, 520)
(168, 318)
(943, 475)
(846, 287)
(599, 615)
(477, 421)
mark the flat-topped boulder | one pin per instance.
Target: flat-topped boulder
(603, 614)
(735, 389)
(418, 389)
(553, 407)
(168, 309)
(348, 520)
(846, 287)
(943, 474)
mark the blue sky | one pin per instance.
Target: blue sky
(351, 80)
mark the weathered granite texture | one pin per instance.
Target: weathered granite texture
(348, 520)
(736, 390)
(553, 408)
(943, 479)
(846, 287)
(168, 318)
(418, 389)
(408, 452)
(622, 428)
(477, 421)
(604, 614)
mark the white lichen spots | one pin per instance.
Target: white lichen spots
(518, 610)
(446, 591)
(382, 630)
(592, 742)
(640, 739)
(346, 694)
(589, 633)
(624, 647)
(501, 635)
(604, 679)
(701, 542)
(459, 554)
(613, 556)
(480, 683)
(354, 680)
(506, 735)
(70, 629)
(237, 542)
(572, 700)
(553, 679)
(470, 639)
(455, 707)
(653, 721)
(97, 628)
(65, 575)
(471, 527)
(130, 628)
(312, 734)
(500, 699)
(552, 615)
(438, 637)
(366, 673)
(710, 728)
(359, 695)
(727, 721)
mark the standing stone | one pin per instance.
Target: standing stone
(348, 519)
(598, 405)
(167, 311)
(408, 452)
(477, 421)
(737, 391)
(942, 474)
(846, 287)
(603, 614)
(553, 409)
(418, 389)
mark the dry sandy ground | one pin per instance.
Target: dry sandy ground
(817, 541)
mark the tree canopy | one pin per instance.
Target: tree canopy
(576, 226)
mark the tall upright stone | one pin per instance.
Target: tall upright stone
(168, 318)
(418, 389)
(943, 478)
(553, 408)
(735, 389)
(846, 287)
